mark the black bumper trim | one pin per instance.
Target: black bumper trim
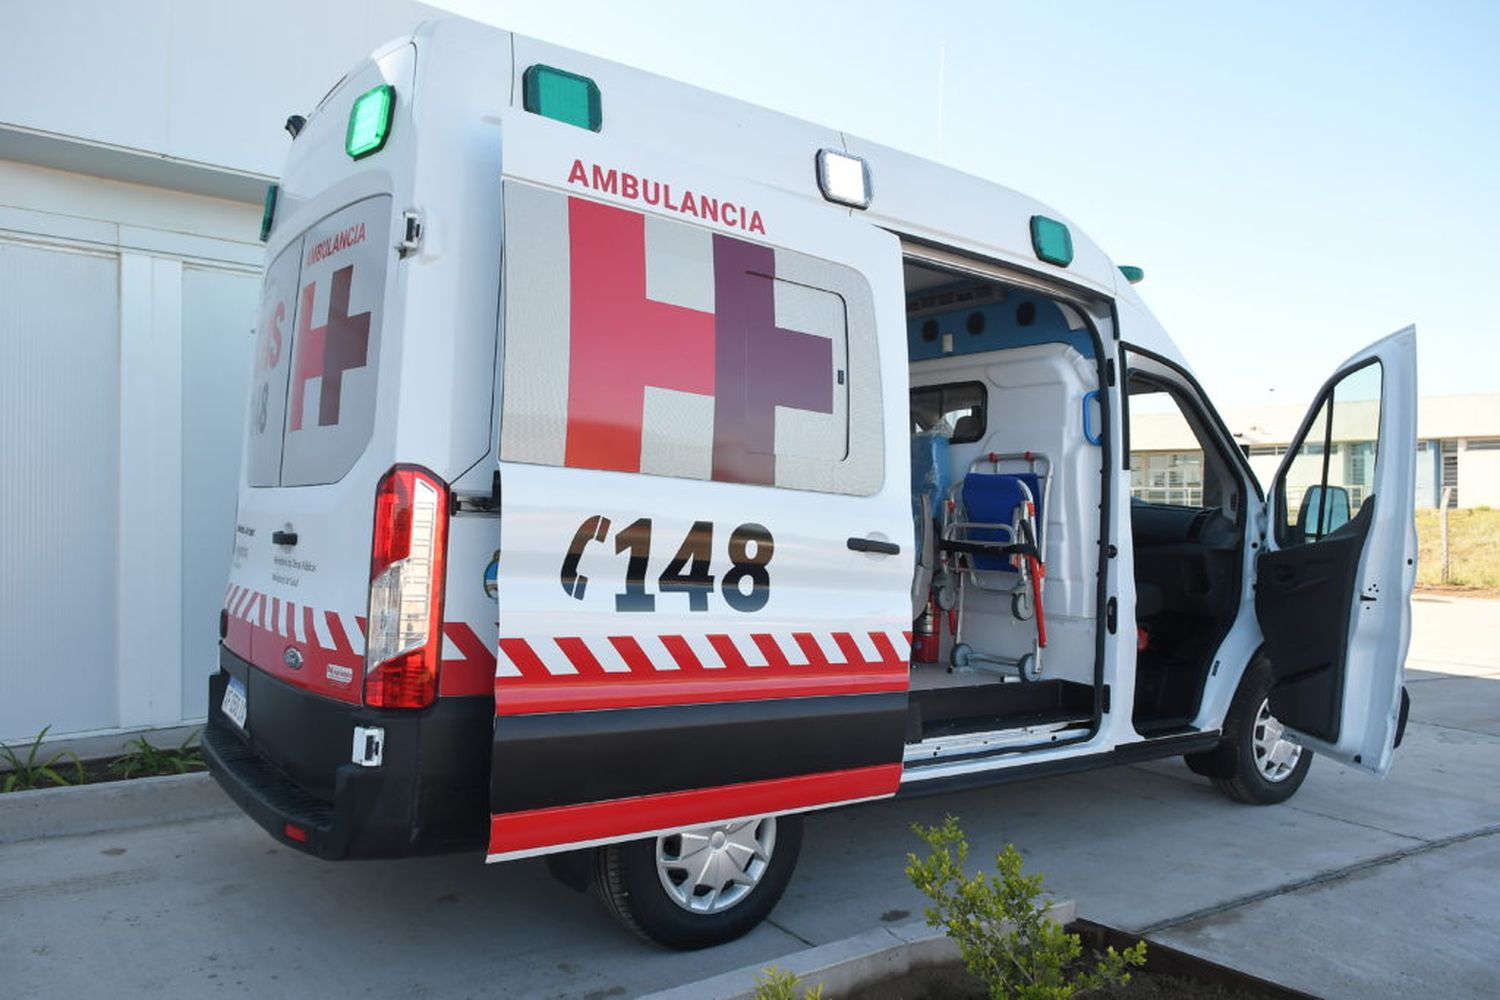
(267, 796)
(566, 758)
(429, 794)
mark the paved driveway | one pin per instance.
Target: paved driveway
(1356, 888)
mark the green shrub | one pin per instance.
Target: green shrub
(1001, 927)
(26, 773)
(772, 983)
(148, 759)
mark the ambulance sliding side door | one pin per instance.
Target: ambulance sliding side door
(706, 552)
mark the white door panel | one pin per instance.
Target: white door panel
(1333, 590)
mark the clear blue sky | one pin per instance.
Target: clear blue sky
(1297, 179)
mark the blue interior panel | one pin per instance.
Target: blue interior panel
(1018, 319)
(929, 469)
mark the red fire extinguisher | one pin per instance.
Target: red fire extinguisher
(925, 638)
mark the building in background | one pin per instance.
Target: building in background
(136, 141)
(1458, 448)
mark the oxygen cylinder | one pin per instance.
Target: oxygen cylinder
(925, 640)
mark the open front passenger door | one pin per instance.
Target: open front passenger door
(1333, 586)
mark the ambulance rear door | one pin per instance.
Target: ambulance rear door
(706, 532)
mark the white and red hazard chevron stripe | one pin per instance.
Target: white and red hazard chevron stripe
(332, 645)
(577, 673)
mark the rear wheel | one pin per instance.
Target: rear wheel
(1258, 762)
(700, 887)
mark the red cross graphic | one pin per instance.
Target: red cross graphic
(621, 340)
(328, 351)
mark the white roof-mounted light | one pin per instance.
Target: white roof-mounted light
(843, 178)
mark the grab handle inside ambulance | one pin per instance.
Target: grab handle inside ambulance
(1090, 435)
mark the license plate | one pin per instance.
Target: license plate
(235, 704)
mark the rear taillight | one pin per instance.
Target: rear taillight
(404, 641)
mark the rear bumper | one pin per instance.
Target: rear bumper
(292, 770)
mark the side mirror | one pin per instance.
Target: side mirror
(1324, 510)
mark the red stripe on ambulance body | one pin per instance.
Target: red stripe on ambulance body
(473, 673)
(728, 652)
(682, 652)
(632, 653)
(261, 630)
(797, 666)
(537, 831)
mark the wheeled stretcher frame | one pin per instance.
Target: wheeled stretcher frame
(1021, 541)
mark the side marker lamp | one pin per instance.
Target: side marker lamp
(370, 121)
(1051, 241)
(268, 213)
(562, 96)
(1134, 275)
(844, 179)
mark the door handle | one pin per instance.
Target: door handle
(859, 544)
(287, 538)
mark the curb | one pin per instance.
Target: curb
(844, 966)
(111, 805)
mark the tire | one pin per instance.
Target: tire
(634, 884)
(1255, 764)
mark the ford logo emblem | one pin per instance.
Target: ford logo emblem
(292, 657)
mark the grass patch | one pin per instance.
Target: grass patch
(24, 771)
(1473, 549)
(145, 759)
(22, 768)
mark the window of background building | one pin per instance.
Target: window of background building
(1167, 463)
(1450, 471)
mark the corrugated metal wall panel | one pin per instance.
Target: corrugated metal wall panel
(59, 482)
(218, 325)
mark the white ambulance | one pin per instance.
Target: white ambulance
(611, 442)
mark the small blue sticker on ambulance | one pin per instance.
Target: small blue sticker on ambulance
(492, 576)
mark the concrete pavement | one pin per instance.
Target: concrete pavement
(1355, 888)
(1424, 919)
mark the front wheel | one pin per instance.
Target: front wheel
(700, 887)
(1257, 763)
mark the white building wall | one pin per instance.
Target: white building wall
(136, 139)
(1264, 467)
(202, 81)
(215, 357)
(111, 334)
(1478, 476)
(59, 397)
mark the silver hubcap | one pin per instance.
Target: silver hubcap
(713, 868)
(1275, 755)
